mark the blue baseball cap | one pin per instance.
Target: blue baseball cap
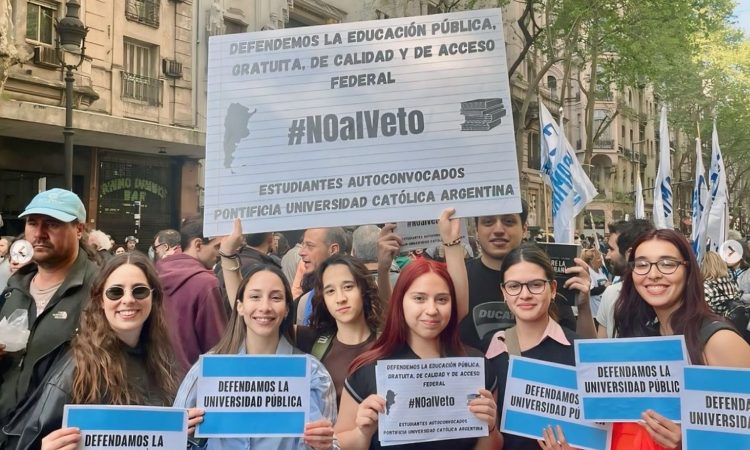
(59, 204)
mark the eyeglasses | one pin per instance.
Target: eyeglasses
(155, 247)
(139, 292)
(665, 266)
(534, 286)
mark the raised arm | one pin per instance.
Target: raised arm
(450, 233)
(389, 246)
(230, 263)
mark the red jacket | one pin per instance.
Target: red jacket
(193, 305)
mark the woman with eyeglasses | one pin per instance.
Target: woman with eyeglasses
(529, 288)
(260, 324)
(119, 357)
(662, 295)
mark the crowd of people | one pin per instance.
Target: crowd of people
(113, 325)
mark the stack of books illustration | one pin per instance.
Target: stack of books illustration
(482, 114)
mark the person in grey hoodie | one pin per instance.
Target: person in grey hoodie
(193, 300)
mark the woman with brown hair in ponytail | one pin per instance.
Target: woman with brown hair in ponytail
(121, 356)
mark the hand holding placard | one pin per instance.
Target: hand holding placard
(62, 439)
(367, 414)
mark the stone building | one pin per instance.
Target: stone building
(135, 117)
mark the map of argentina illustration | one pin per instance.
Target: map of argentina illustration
(235, 129)
(390, 400)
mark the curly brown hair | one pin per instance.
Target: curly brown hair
(100, 363)
(321, 319)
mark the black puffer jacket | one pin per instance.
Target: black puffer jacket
(43, 412)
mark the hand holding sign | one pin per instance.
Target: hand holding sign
(580, 281)
(62, 439)
(389, 245)
(367, 414)
(662, 430)
(195, 416)
(551, 442)
(233, 242)
(319, 434)
(485, 408)
(450, 229)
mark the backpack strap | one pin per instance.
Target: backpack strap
(322, 346)
(511, 342)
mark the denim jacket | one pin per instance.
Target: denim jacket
(322, 406)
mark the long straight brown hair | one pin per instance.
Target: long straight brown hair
(101, 372)
(236, 331)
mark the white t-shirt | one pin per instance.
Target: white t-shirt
(597, 279)
(606, 314)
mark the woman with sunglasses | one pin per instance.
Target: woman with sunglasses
(422, 323)
(529, 288)
(119, 357)
(260, 325)
(662, 295)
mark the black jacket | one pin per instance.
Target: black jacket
(54, 327)
(42, 413)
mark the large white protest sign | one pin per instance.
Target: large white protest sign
(253, 396)
(539, 394)
(357, 123)
(428, 399)
(618, 379)
(424, 234)
(716, 408)
(127, 427)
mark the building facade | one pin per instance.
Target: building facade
(136, 136)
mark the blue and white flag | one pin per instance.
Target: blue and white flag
(663, 200)
(640, 207)
(571, 188)
(700, 196)
(718, 213)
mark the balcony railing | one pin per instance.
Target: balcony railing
(136, 87)
(143, 11)
(605, 144)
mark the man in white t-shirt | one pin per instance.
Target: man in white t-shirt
(621, 237)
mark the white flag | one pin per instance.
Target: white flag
(571, 188)
(700, 195)
(663, 201)
(640, 207)
(718, 219)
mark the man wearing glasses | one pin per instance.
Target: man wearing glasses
(52, 289)
(192, 298)
(166, 243)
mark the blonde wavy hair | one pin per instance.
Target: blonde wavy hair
(101, 371)
(713, 267)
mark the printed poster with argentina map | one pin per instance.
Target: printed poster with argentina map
(356, 123)
(428, 399)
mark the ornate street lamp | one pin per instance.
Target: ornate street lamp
(71, 37)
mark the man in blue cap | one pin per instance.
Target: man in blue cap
(53, 290)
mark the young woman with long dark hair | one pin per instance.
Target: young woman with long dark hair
(662, 295)
(527, 280)
(121, 356)
(260, 325)
(346, 316)
(422, 323)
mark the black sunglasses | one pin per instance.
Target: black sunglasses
(117, 292)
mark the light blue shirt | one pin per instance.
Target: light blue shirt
(322, 406)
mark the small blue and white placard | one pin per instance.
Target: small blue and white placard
(253, 396)
(128, 427)
(716, 408)
(618, 379)
(539, 394)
